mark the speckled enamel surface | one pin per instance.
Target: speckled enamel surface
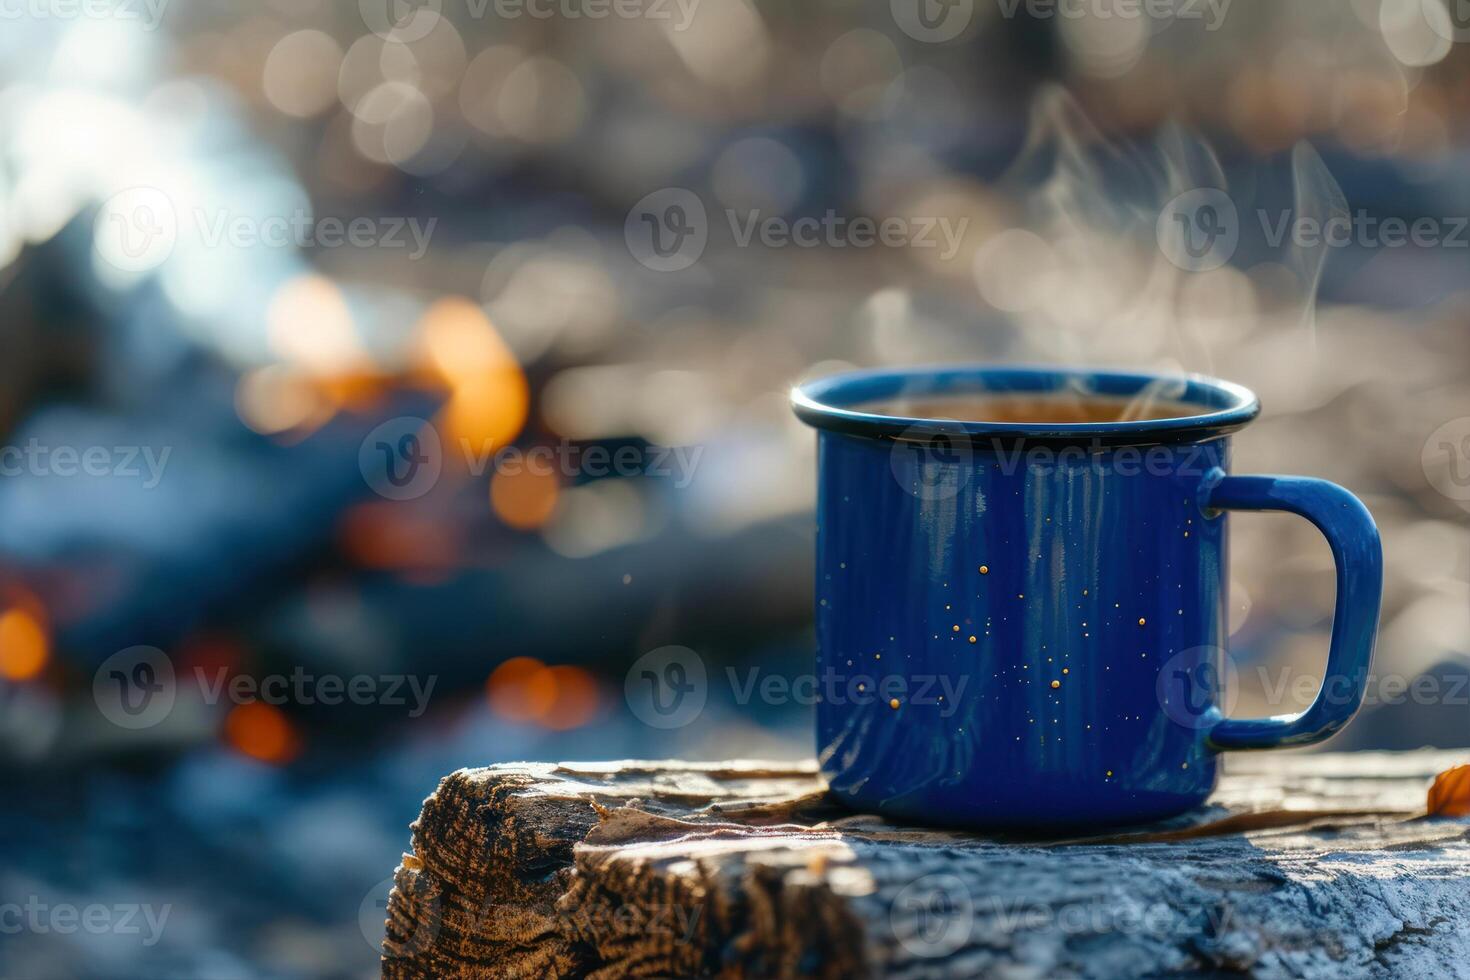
(1041, 672)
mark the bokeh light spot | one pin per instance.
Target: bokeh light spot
(261, 731)
(300, 76)
(489, 398)
(310, 325)
(521, 689)
(24, 645)
(525, 498)
(576, 701)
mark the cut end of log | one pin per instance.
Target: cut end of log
(1303, 865)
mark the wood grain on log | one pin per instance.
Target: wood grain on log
(673, 869)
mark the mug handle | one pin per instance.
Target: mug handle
(1358, 555)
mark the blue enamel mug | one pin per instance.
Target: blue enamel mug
(1023, 624)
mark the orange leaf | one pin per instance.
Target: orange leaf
(1450, 794)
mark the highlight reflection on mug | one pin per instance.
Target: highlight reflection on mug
(667, 688)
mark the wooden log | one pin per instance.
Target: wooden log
(1315, 865)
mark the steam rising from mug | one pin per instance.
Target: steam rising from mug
(1134, 253)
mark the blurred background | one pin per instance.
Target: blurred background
(380, 381)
